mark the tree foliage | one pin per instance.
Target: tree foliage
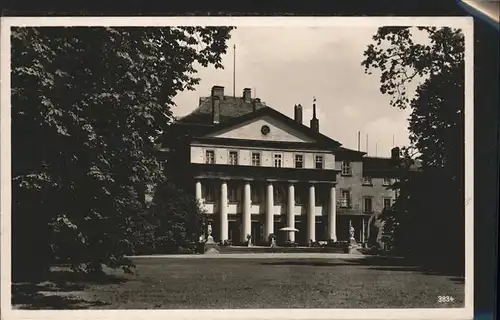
(173, 222)
(89, 106)
(428, 215)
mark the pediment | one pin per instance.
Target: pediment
(265, 128)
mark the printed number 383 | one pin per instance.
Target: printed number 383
(445, 299)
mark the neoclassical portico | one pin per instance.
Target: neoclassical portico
(256, 170)
(266, 212)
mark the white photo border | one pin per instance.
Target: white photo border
(464, 23)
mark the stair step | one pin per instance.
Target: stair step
(225, 250)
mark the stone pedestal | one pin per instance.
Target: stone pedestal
(353, 250)
(353, 246)
(211, 246)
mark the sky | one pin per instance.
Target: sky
(285, 66)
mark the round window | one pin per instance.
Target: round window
(265, 130)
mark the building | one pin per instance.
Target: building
(255, 170)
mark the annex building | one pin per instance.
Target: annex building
(254, 170)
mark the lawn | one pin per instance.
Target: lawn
(171, 283)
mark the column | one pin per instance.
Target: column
(311, 215)
(223, 211)
(290, 211)
(332, 215)
(246, 219)
(362, 229)
(269, 224)
(198, 191)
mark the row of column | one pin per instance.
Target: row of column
(269, 218)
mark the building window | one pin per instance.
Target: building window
(346, 168)
(233, 158)
(256, 159)
(210, 157)
(277, 160)
(319, 196)
(232, 194)
(254, 194)
(208, 193)
(367, 205)
(299, 161)
(345, 199)
(387, 181)
(319, 162)
(298, 196)
(387, 203)
(367, 180)
(278, 195)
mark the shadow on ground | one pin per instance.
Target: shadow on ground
(402, 264)
(312, 262)
(381, 264)
(61, 290)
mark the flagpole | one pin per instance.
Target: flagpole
(234, 70)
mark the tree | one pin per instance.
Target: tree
(428, 214)
(177, 219)
(89, 106)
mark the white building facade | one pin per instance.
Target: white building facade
(255, 171)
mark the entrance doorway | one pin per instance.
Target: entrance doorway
(256, 232)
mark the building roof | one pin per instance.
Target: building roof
(230, 107)
(342, 153)
(234, 110)
(379, 166)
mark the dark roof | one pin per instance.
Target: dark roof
(230, 107)
(378, 166)
(342, 153)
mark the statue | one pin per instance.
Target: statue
(351, 233)
(249, 240)
(210, 239)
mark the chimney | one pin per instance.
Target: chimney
(218, 91)
(215, 109)
(395, 153)
(314, 121)
(247, 95)
(298, 113)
